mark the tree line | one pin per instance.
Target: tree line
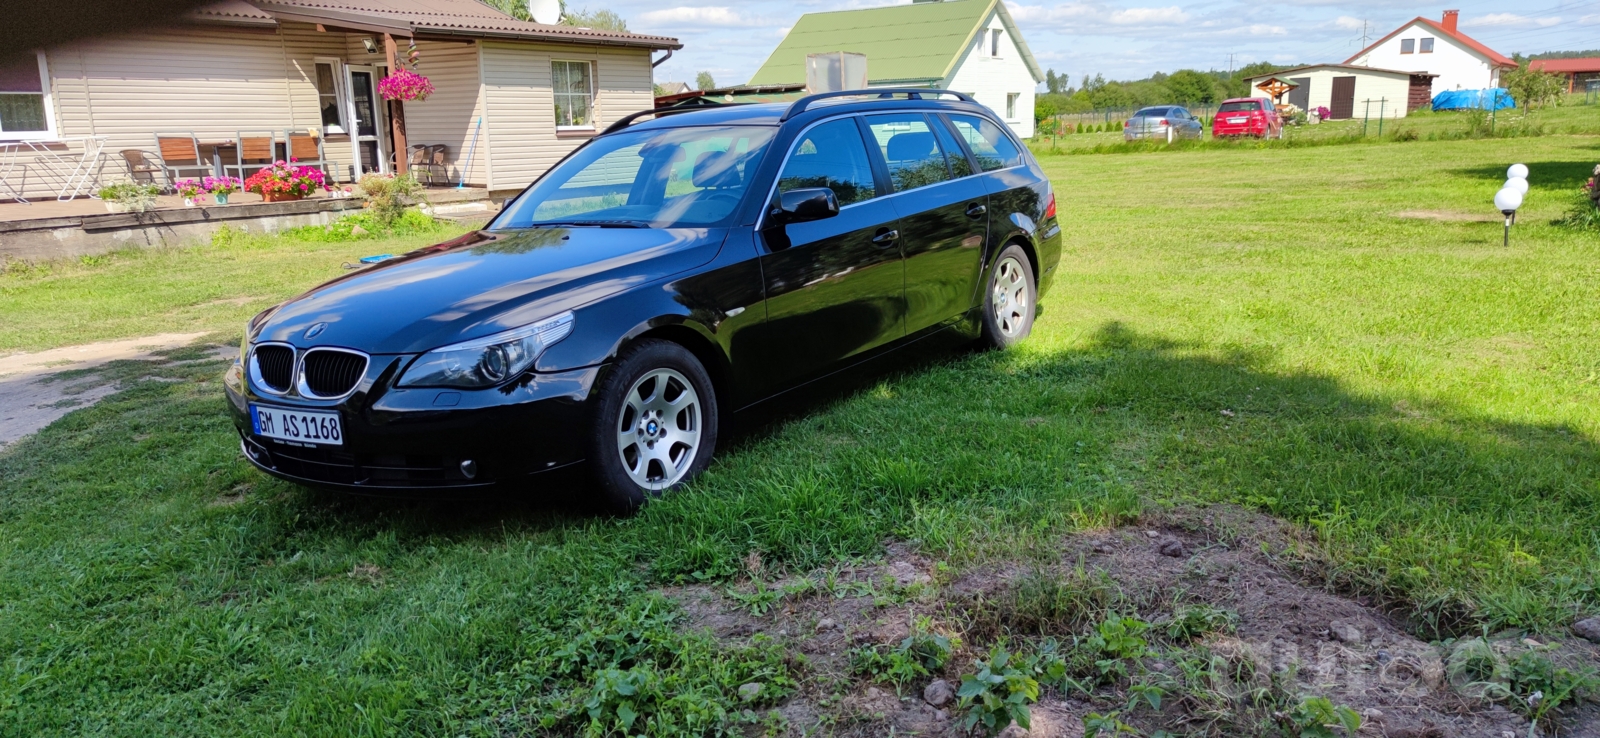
(1185, 86)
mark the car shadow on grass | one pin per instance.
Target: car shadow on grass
(1451, 519)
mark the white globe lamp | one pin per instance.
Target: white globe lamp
(1507, 200)
(1517, 170)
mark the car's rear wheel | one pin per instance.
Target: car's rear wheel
(1010, 301)
(654, 424)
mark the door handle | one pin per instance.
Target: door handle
(974, 210)
(886, 237)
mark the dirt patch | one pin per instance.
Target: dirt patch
(36, 389)
(1285, 640)
(1447, 216)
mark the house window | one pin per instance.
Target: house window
(1408, 45)
(1011, 104)
(25, 99)
(994, 42)
(329, 101)
(573, 84)
(1427, 45)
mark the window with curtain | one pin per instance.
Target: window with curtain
(573, 85)
(328, 97)
(1427, 45)
(1408, 45)
(22, 98)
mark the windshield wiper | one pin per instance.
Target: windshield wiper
(591, 224)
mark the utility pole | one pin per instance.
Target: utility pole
(1364, 34)
(1230, 64)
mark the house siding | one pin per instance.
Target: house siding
(1388, 91)
(1458, 67)
(989, 79)
(519, 101)
(450, 113)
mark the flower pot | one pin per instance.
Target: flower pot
(222, 198)
(188, 202)
(281, 196)
(116, 207)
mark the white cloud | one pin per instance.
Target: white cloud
(1589, 20)
(1349, 23)
(714, 16)
(1091, 17)
(1509, 20)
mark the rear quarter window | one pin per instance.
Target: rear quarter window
(993, 148)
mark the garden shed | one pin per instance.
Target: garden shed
(1349, 91)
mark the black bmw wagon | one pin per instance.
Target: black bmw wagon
(681, 266)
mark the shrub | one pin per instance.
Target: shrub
(921, 653)
(388, 196)
(998, 694)
(132, 195)
(1585, 211)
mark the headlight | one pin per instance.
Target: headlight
(486, 362)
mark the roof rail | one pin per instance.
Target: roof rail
(882, 93)
(629, 119)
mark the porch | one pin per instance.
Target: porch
(83, 227)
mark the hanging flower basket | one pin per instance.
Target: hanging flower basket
(405, 84)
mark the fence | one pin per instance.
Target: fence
(1111, 118)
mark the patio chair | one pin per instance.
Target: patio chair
(255, 150)
(180, 152)
(141, 167)
(306, 148)
(424, 160)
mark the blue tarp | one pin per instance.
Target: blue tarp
(1498, 98)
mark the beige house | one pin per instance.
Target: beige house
(518, 95)
(1348, 91)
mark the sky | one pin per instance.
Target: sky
(1122, 40)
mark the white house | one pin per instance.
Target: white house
(1349, 91)
(970, 46)
(1438, 48)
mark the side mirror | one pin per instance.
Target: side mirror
(806, 204)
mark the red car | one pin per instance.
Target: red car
(1247, 116)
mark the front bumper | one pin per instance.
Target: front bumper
(396, 440)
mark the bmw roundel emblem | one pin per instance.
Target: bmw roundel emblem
(316, 330)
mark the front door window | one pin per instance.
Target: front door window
(367, 124)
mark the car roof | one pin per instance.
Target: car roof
(771, 114)
(1244, 99)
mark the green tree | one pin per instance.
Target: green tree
(600, 20)
(1189, 86)
(703, 81)
(1532, 88)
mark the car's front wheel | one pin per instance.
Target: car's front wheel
(654, 425)
(1010, 302)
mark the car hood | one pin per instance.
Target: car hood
(483, 283)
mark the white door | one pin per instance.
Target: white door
(367, 119)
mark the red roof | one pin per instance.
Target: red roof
(1493, 56)
(1567, 66)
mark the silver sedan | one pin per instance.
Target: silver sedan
(1168, 122)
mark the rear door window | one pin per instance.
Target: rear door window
(910, 148)
(831, 155)
(992, 147)
(953, 153)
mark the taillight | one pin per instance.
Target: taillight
(1127, 123)
(1050, 209)
(1163, 122)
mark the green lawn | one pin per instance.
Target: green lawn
(1333, 335)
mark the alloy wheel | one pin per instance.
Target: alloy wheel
(659, 429)
(1010, 297)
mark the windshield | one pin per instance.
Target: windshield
(1151, 113)
(1237, 107)
(657, 178)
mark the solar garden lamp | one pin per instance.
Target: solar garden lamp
(1507, 200)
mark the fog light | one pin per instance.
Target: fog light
(469, 469)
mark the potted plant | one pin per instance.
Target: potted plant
(127, 197)
(221, 187)
(189, 189)
(285, 180)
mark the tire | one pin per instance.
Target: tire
(1010, 300)
(654, 425)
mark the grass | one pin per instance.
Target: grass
(1572, 117)
(1425, 400)
(212, 287)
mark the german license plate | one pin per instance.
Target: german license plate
(1237, 120)
(299, 426)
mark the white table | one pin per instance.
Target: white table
(74, 170)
